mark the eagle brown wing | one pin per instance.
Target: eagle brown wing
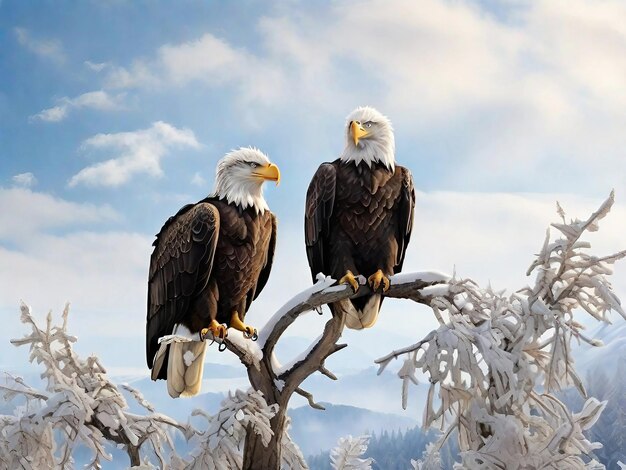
(180, 267)
(405, 216)
(320, 199)
(267, 266)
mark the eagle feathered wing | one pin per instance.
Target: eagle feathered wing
(180, 268)
(320, 199)
(405, 217)
(264, 275)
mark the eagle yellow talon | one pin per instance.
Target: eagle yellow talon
(378, 278)
(350, 279)
(218, 330)
(248, 331)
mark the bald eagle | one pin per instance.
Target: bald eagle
(210, 261)
(359, 214)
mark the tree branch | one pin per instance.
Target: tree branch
(326, 372)
(412, 286)
(309, 397)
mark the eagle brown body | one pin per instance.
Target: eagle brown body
(210, 261)
(359, 215)
(358, 218)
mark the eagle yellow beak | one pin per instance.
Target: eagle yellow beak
(357, 132)
(269, 172)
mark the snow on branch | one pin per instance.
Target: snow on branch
(80, 406)
(492, 354)
(348, 452)
(420, 287)
(220, 445)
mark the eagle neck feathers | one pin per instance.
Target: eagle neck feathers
(243, 195)
(370, 152)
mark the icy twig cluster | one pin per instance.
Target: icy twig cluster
(220, 444)
(79, 406)
(347, 455)
(495, 360)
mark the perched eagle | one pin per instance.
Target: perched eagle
(210, 261)
(359, 214)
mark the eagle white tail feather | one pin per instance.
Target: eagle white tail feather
(184, 368)
(359, 319)
(159, 358)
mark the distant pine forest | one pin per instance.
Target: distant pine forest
(395, 450)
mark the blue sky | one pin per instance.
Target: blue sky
(114, 113)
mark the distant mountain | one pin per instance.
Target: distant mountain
(218, 378)
(366, 389)
(614, 339)
(316, 430)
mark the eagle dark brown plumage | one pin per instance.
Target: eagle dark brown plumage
(210, 261)
(359, 218)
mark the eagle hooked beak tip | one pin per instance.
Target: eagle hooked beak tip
(269, 172)
(357, 131)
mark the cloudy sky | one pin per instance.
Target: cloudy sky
(114, 113)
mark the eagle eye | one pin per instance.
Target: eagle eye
(253, 165)
(368, 124)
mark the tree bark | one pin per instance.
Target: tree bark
(258, 457)
(133, 455)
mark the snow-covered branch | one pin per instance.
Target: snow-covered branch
(80, 405)
(492, 353)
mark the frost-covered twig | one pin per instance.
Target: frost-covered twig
(492, 352)
(220, 446)
(81, 405)
(348, 452)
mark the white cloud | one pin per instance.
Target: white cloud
(47, 48)
(139, 152)
(102, 274)
(493, 236)
(51, 253)
(539, 84)
(25, 180)
(209, 60)
(54, 114)
(96, 66)
(24, 212)
(100, 100)
(198, 180)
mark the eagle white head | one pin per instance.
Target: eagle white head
(369, 138)
(240, 176)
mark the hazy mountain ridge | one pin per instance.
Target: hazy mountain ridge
(318, 430)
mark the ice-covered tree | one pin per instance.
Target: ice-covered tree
(82, 406)
(496, 360)
(493, 367)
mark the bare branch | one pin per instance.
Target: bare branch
(326, 372)
(309, 397)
